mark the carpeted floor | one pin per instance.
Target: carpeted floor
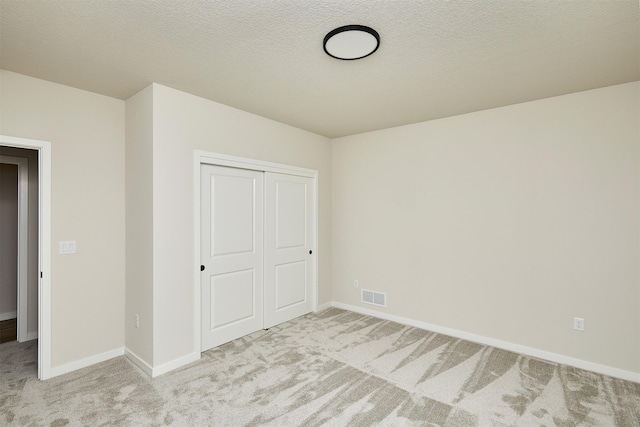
(332, 368)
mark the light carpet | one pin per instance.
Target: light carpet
(330, 368)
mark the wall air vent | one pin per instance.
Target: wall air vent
(375, 298)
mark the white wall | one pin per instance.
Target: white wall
(183, 123)
(87, 135)
(139, 225)
(505, 223)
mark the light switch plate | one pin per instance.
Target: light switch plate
(67, 247)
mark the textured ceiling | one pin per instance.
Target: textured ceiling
(436, 59)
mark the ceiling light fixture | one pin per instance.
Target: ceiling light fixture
(351, 42)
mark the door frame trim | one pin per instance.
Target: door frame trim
(206, 157)
(44, 246)
(23, 219)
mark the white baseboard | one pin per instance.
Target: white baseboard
(88, 361)
(323, 307)
(504, 345)
(136, 360)
(175, 364)
(162, 369)
(33, 335)
(8, 315)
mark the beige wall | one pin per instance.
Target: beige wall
(183, 123)
(87, 135)
(32, 235)
(505, 223)
(139, 225)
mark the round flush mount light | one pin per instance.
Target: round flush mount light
(351, 42)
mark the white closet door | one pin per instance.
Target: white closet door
(289, 243)
(232, 253)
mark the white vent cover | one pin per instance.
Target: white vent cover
(375, 298)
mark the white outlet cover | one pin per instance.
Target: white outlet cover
(67, 247)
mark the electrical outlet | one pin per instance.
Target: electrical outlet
(137, 320)
(578, 324)
(355, 283)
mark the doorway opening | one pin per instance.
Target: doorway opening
(18, 252)
(25, 169)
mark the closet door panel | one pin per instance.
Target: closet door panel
(232, 240)
(289, 245)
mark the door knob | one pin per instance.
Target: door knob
(310, 252)
(202, 268)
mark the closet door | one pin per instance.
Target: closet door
(289, 246)
(232, 253)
